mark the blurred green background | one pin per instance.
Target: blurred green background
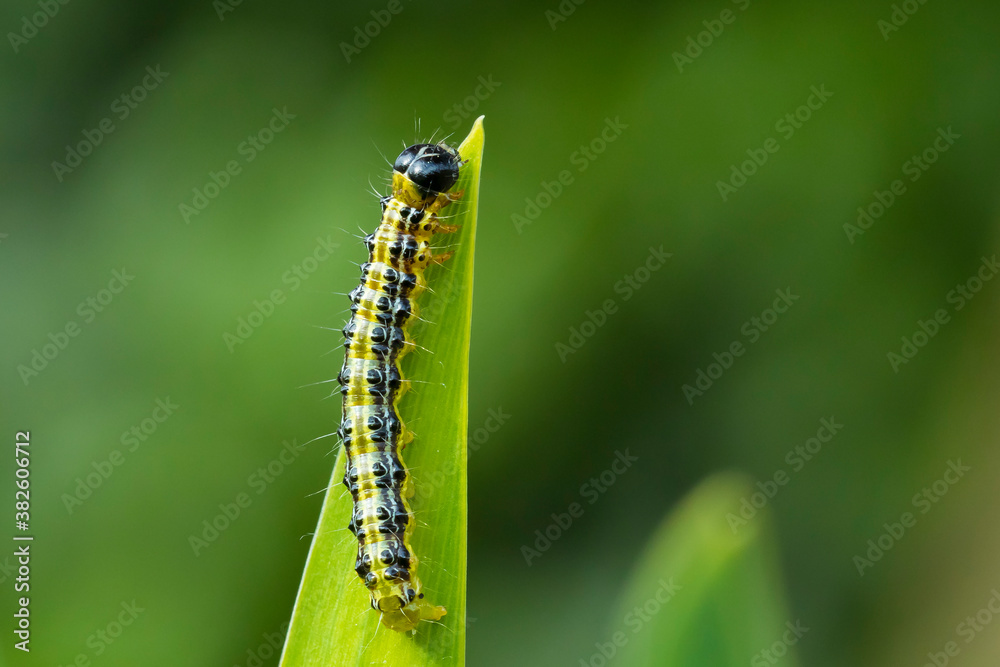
(550, 92)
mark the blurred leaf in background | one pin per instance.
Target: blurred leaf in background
(706, 590)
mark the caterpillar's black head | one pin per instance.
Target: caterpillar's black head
(430, 167)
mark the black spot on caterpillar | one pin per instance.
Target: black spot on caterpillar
(376, 337)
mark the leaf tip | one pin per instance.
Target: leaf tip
(473, 144)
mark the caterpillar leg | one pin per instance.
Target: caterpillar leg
(442, 200)
(442, 258)
(408, 617)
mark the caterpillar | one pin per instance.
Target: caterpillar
(376, 338)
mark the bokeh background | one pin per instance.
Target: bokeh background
(552, 86)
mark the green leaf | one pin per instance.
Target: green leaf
(726, 604)
(333, 622)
